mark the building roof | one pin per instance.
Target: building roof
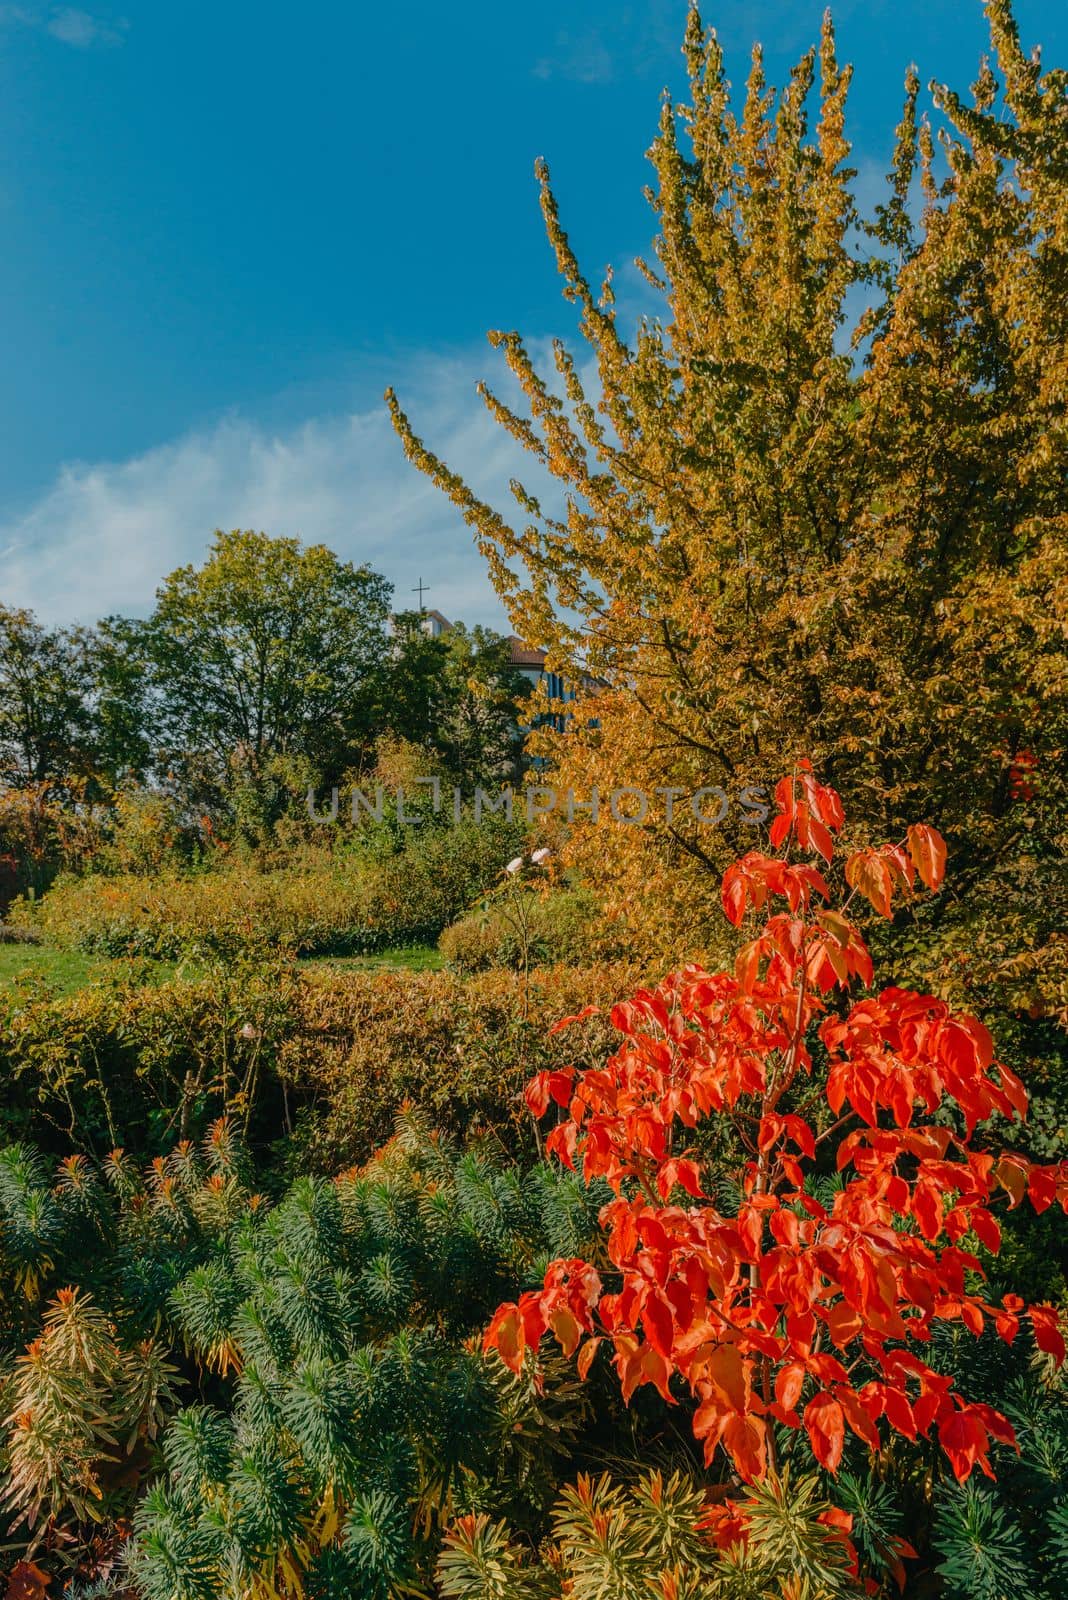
(437, 617)
(524, 655)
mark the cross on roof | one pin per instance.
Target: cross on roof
(419, 589)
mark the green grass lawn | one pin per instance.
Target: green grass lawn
(406, 958)
(68, 970)
(63, 970)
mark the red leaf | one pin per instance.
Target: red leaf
(579, 1016)
(688, 1175)
(747, 964)
(1042, 1186)
(826, 1429)
(843, 1323)
(562, 1142)
(859, 1420)
(898, 1411)
(966, 1442)
(734, 896)
(536, 1094)
(1014, 1089)
(1046, 1323)
(659, 1324)
(785, 1227)
(986, 1229)
(927, 1209)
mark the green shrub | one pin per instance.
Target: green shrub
(562, 925)
(137, 1064)
(97, 1379)
(654, 1538)
(330, 1055)
(462, 1048)
(148, 831)
(324, 903)
(337, 1409)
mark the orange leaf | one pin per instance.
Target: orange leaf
(928, 851)
(585, 1357)
(27, 1582)
(868, 873)
(788, 1384)
(726, 1371)
(566, 1328)
(745, 1440)
(1011, 1173)
(505, 1335)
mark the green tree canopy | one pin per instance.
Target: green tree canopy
(459, 696)
(46, 725)
(272, 648)
(480, 733)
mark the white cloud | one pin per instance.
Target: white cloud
(641, 40)
(100, 540)
(583, 57)
(78, 28)
(69, 24)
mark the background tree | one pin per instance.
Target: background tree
(121, 700)
(45, 721)
(460, 697)
(271, 650)
(412, 687)
(485, 696)
(819, 502)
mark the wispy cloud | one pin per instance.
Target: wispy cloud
(583, 57)
(102, 537)
(642, 36)
(645, 37)
(82, 30)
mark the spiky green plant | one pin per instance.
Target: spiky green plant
(653, 1540)
(355, 1415)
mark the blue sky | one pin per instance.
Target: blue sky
(227, 226)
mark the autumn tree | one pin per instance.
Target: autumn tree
(780, 1304)
(817, 503)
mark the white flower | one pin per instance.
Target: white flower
(514, 865)
(248, 1032)
(541, 856)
